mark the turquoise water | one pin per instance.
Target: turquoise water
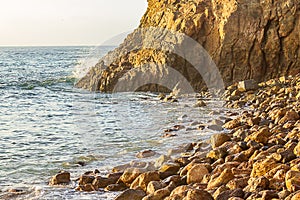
(47, 125)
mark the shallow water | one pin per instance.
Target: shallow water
(47, 125)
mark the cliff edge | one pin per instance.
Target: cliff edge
(253, 39)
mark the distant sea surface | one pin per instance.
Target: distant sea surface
(48, 125)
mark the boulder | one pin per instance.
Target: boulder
(247, 85)
(292, 180)
(144, 179)
(168, 169)
(196, 194)
(158, 195)
(62, 177)
(196, 173)
(218, 139)
(261, 167)
(129, 175)
(222, 179)
(257, 184)
(261, 136)
(131, 194)
(232, 124)
(102, 182)
(200, 103)
(153, 186)
(116, 187)
(297, 150)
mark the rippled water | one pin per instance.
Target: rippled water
(47, 125)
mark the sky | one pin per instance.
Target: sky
(66, 22)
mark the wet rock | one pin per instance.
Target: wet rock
(161, 96)
(116, 187)
(181, 149)
(196, 173)
(86, 179)
(222, 179)
(182, 161)
(86, 188)
(143, 180)
(218, 139)
(16, 191)
(114, 176)
(102, 182)
(200, 103)
(217, 122)
(215, 127)
(120, 168)
(247, 85)
(131, 194)
(168, 135)
(161, 160)
(145, 154)
(62, 177)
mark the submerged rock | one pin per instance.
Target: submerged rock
(145, 154)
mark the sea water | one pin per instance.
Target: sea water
(48, 125)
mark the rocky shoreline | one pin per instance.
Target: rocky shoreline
(256, 156)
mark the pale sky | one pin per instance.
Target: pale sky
(66, 22)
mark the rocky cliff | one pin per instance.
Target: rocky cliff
(257, 39)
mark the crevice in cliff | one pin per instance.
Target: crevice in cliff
(263, 44)
(249, 67)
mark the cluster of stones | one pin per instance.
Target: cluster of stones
(257, 156)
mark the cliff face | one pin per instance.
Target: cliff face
(246, 39)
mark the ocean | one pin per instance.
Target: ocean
(48, 125)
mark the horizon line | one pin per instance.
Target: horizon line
(71, 45)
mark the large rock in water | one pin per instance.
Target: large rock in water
(251, 39)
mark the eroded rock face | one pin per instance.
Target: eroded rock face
(246, 39)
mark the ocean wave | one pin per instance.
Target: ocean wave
(32, 84)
